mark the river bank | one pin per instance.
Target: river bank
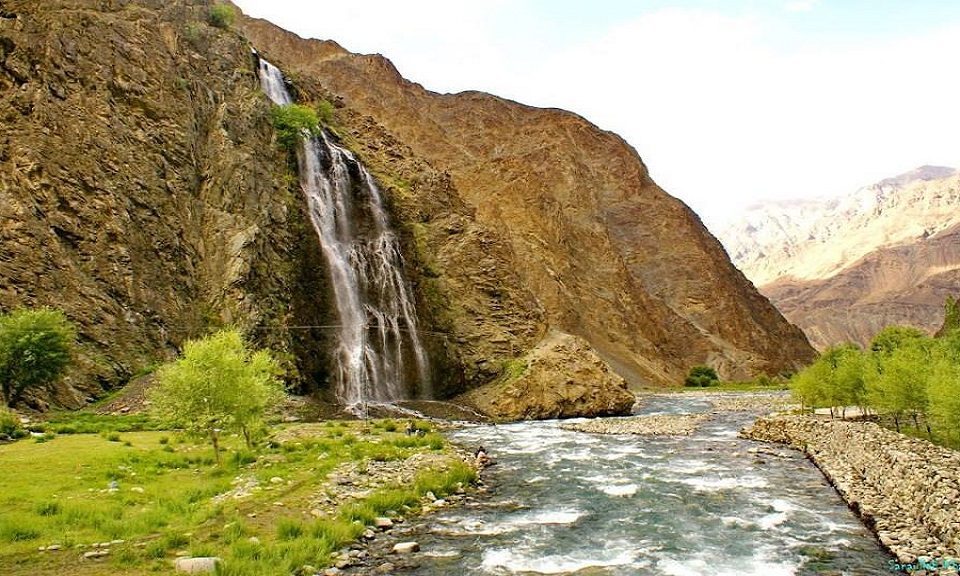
(906, 490)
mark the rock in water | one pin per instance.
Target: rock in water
(406, 547)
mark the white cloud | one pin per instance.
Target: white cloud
(722, 119)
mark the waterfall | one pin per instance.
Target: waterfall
(377, 334)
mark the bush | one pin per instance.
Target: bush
(221, 16)
(35, 348)
(325, 111)
(702, 376)
(10, 427)
(292, 121)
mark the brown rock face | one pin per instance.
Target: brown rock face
(607, 254)
(142, 191)
(139, 188)
(561, 378)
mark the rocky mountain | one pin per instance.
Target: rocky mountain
(844, 268)
(143, 192)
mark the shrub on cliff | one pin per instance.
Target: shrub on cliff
(702, 376)
(218, 384)
(292, 121)
(325, 111)
(35, 350)
(221, 16)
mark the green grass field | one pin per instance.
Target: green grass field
(157, 493)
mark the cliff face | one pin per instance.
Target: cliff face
(142, 191)
(139, 187)
(608, 255)
(843, 269)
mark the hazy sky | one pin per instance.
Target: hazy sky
(727, 101)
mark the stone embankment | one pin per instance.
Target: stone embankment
(906, 490)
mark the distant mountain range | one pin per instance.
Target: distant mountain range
(843, 268)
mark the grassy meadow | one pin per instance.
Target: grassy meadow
(150, 495)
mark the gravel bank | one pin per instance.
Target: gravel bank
(906, 490)
(655, 425)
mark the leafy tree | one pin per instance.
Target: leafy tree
(291, 121)
(702, 376)
(845, 384)
(218, 384)
(835, 380)
(943, 394)
(222, 16)
(35, 350)
(892, 338)
(951, 317)
(809, 387)
(898, 383)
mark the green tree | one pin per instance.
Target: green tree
(35, 350)
(809, 387)
(943, 392)
(835, 380)
(218, 384)
(845, 385)
(702, 376)
(897, 384)
(221, 16)
(892, 338)
(291, 121)
(951, 317)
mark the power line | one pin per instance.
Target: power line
(305, 327)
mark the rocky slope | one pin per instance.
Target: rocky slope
(845, 268)
(142, 191)
(608, 255)
(139, 190)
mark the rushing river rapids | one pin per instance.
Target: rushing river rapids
(567, 502)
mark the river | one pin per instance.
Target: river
(566, 502)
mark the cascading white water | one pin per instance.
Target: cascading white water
(377, 328)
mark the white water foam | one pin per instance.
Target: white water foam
(517, 562)
(782, 510)
(716, 484)
(621, 490)
(760, 565)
